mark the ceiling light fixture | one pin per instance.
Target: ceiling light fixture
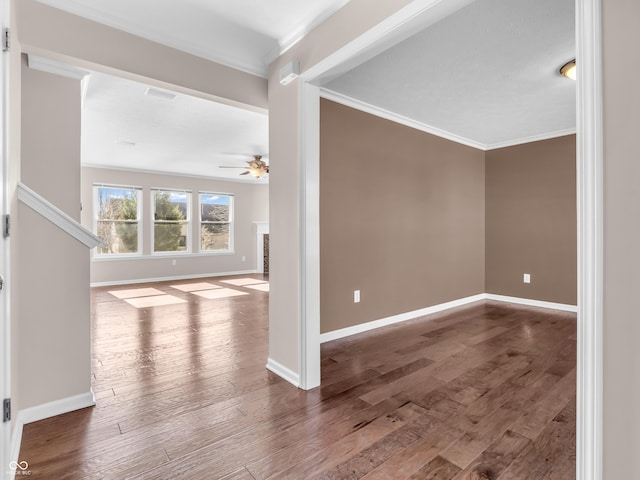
(569, 69)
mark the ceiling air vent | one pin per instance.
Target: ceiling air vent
(152, 92)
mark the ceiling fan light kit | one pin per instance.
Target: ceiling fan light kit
(256, 167)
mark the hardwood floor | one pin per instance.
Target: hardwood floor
(485, 391)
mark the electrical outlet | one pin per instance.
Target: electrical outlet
(174, 262)
(244, 259)
(356, 296)
(526, 278)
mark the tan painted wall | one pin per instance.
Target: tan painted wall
(621, 239)
(401, 218)
(53, 356)
(531, 220)
(347, 24)
(251, 204)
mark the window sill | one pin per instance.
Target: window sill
(158, 256)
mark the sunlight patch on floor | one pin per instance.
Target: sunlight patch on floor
(263, 287)
(192, 287)
(219, 293)
(241, 282)
(155, 301)
(135, 292)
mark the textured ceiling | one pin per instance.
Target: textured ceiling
(122, 127)
(487, 75)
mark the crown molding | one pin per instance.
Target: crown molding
(51, 66)
(394, 117)
(161, 37)
(402, 120)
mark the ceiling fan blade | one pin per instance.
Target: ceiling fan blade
(245, 173)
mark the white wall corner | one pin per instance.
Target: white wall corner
(283, 372)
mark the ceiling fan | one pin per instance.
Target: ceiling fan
(256, 167)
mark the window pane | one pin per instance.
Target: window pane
(120, 237)
(214, 208)
(214, 236)
(171, 206)
(117, 204)
(170, 237)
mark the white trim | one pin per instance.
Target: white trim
(251, 181)
(530, 139)
(162, 37)
(532, 303)
(285, 373)
(394, 117)
(46, 410)
(57, 68)
(285, 43)
(56, 216)
(309, 212)
(57, 407)
(16, 443)
(171, 278)
(423, 127)
(402, 317)
(589, 425)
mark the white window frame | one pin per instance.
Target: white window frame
(138, 190)
(188, 222)
(231, 222)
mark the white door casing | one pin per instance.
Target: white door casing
(589, 450)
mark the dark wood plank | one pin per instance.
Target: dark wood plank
(483, 391)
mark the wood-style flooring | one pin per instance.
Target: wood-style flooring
(485, 391)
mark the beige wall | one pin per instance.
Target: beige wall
(401, 218)
(531, 220)
(53, 357)
(44, 31)
(251, 204)
(621, 239)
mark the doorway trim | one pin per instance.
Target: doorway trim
(589, 451)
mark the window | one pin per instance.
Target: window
(170, 220)
(216, 217)
(117, 219)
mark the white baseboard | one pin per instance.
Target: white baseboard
(403, 317)
(16, 441)
(171, 278)
(46, 410)
(286, 373)
(532, 303)
(57, 407)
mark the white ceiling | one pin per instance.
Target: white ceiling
(123, 127)
(244, 34)
(485, 75)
